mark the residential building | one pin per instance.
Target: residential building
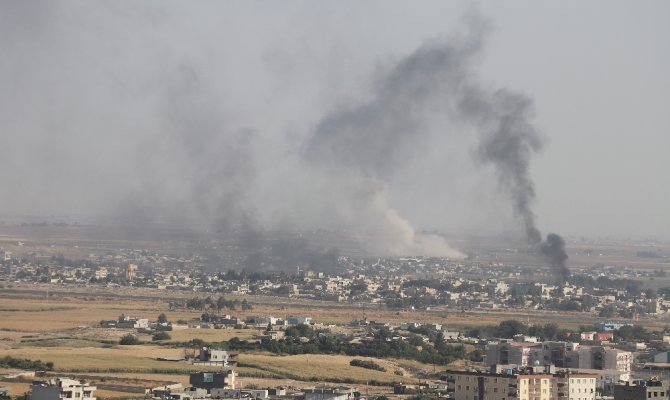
(560, 354)
(212, 380)
(642, 390)
(221, 393)
(663, 357)
(610, 326)
(575, 386)
(510, 384)
(211, 357)
(62, 388)
(530, 383)
(329, 393)
(295, 320)
(515, 353)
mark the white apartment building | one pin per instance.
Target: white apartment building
(575, 386)
(523, 384)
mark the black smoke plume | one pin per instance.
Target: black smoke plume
(553, 249)
(372, 139)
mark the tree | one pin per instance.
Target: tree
(129, 339)
(509, 328)
(608, 312)
(197, 342)
(162, 318)
(161, 336)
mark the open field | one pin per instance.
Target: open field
(211, 335)
(142, 359)
(320, 368)
(114, 359)
(25, 309)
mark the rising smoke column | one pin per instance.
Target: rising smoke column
(371, 139)
(363, 145)
(553, 249)
(508, 141)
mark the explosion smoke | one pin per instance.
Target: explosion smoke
(149, 123)
(553, 249)
(371, 139)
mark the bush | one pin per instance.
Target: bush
(366, 364)
(129, 339)
(24, 363)
(161, 336)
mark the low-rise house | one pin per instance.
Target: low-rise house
(62, 388)
(211, 357)
(296, 320)
(261, 321)
(213, 380)
(272, 335)
(329, 393)
(221, 393)
(124, 322)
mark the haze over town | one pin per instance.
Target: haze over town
(301, 116)
(334, 200)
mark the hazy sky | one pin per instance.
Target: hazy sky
(206, 110)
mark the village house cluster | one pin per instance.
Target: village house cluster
(404, 283)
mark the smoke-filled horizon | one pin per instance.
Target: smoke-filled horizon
(158, 112)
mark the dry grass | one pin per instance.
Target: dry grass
(16, 388)
(314, 367)
(211, 335)
(115, 359)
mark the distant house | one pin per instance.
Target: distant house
(610, 326)
(124, 322)
(604, 336)
(272, 335)
(219, 393)
(294, 320)
(132, 323)
(227, 321)
(211, 357)
(261, 322)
